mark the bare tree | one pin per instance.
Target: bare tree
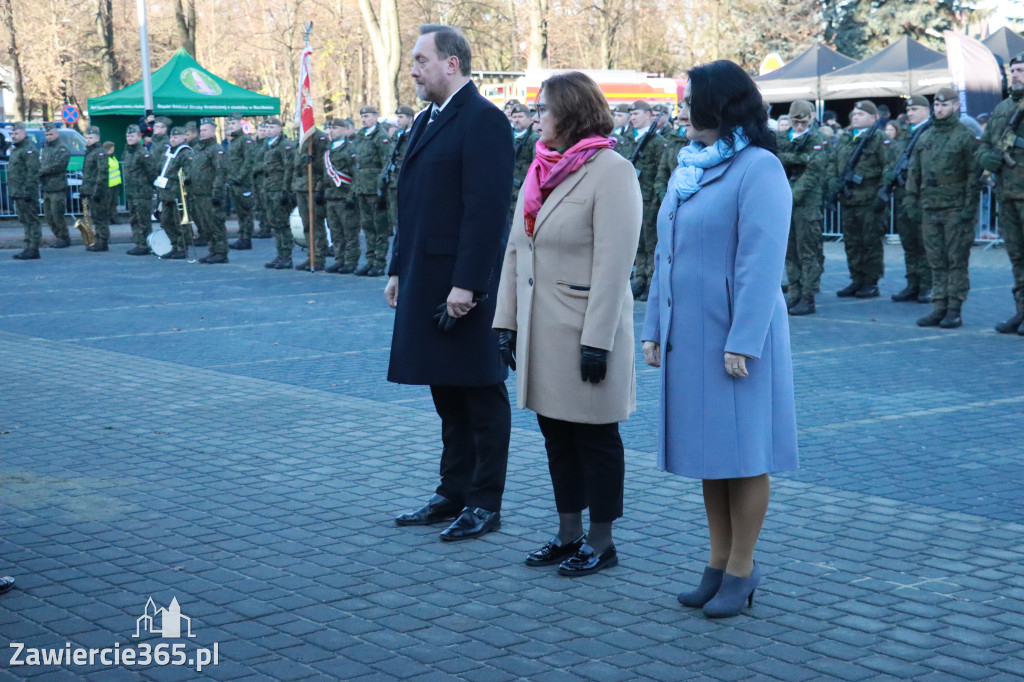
(538, 56)
(185, 16)
(108, 56)
(7, 13)
(387, 48)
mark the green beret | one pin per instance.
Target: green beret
(867, 106)
(92, 130)
(177, 130)
(520, 109)
(350, 123)
(801, 109)
(132, 129)
(207, 122)
(917, 101)
(166, 121)
(405, 111)
(640, 105)
(947, 95)
(659, 109)
(235, 117)
(51, 126)
(368, 109)
(20, 126)
(1017, 58)
(191, 125)
(335, 123)
(273, 121)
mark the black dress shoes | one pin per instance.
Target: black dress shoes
(472, 523)
(437, 509)
(586, 561)
(554, 553)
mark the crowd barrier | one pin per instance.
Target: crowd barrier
(73, 199)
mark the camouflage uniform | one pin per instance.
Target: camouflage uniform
(646, 164)
(238, 172)
(342, 214)
(944, 180)
(805, 161)
(96, 190)
(372, 152)
(525, 145)
(53, 174)
(205, 180)
(669, 161)
(862, 224)
(625, 141)
(23, 187)
(399, 146)
(277, 197)
(138, 169)
(907, 215)
(991, 155)
(174, 159)
(301, 160)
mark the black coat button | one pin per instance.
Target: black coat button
(531, 281)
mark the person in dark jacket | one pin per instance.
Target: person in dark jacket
(23, 188)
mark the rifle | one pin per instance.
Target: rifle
(1009, 141)
(643, 142)
(899, 171)
(389, 169)
(848, 177)
(517, 147)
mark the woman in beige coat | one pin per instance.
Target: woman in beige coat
(565, 311)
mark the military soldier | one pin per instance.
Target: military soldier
(621, 132)
(863, 229)
(23, 188)
(278, 161)
(944, 181)
(191, 133)
(674, 140)
(802, 154)
(95, 188)
(159, 142)
(206, 189)
(302, 159)
(525, 144)
(645, 156)
(238, 172)
(908, 215)
(53, 173)
(342, 214)
(399, 146)
(1002, 152)
(259, 149)
(177, 156)
(139, 169)
(372, 152)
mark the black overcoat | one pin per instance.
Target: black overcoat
(453, 202)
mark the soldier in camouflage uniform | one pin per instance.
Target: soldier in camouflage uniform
(372, 152)
(23, 188)
(159, 142)
(675, 139)
(177, 156)
(863, 227)
(342, 215)
(53, 174)
(259, 149)
(1002, 152)
(206, 190)
(95, 188)
(622, 133)
(525, 145)
(302, 160)
(138, 170)
(645, 156)
(278, 161)
(802, 155)
(944, 181)
(238, 173)
(907, 214)
(399, 146)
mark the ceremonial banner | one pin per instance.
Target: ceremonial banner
(304, 108)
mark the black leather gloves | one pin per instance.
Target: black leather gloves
(445, 322)
(593, 364)
(286, 200)
(216, 201)
(382, 202)
(318, 197)
(507, 347)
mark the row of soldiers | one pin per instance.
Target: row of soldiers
(931, 173)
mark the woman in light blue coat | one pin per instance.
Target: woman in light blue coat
(717, 325)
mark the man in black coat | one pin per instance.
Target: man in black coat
(453, 203)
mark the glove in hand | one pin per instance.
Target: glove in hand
(507, 347)
(593, 364)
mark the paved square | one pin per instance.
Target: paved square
(224, 435)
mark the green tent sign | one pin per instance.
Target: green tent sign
(199, 82)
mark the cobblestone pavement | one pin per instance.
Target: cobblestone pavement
(224, 435)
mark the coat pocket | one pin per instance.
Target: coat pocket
(728, 297)
(571, 289)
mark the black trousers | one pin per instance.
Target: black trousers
(587, 465)
(476, 422)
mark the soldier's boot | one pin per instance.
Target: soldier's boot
(263, 234)
(793, 296)
(952, 320)
(304, 266)
(375, 271)
(272, 265)
(909, 293)
(201, 241)
(60, 244)
(850, 290)
(1011, 326)
(336, 267)
(804, 307)
(174, 255)
(925, 295)
(27, 254)
(241, 244)
(646, 292)
(283, 263)
(98, 245)
(362, 270)
(346, 269)
(138, 251)
(214, 258)
(932, 319)
(867, 291)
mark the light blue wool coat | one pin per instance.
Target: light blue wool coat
(716, 289)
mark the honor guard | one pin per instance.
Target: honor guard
(95, 189)
(621, 132)
(177, 156)
(342, 214)
(238, 172)
(53, 174)
(139, 169)
(278, 162)
(525, 144)
(23, 188)
(372, 151)
(674, 140)
(645, 155)
(801, 151)
(259, 149)
(389, 177)
(945, 182)
(160, 140)
(206, 190)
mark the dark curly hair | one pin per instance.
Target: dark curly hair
(723, 97)
(578, 105)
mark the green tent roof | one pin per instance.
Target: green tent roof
(183, 87)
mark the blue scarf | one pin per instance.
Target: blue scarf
(696, 157)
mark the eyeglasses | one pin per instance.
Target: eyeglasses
(540, 109)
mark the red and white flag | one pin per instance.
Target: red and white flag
(304, 109)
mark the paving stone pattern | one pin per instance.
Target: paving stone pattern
(224, 435)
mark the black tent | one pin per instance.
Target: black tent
(1004, 44)
(904, 68)
(801, 78)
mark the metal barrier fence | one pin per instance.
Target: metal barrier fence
(73, 199)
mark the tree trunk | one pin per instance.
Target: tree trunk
(387, 49)
(538, 55)
(12, 49)
(185, 16)
(108, 57)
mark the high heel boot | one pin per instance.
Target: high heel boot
(709, 584)
(734, 591)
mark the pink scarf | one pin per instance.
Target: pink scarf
(550, 167)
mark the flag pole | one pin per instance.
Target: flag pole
(309, 176)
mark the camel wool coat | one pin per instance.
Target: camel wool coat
(568, 286)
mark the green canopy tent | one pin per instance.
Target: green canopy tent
(182, 90)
